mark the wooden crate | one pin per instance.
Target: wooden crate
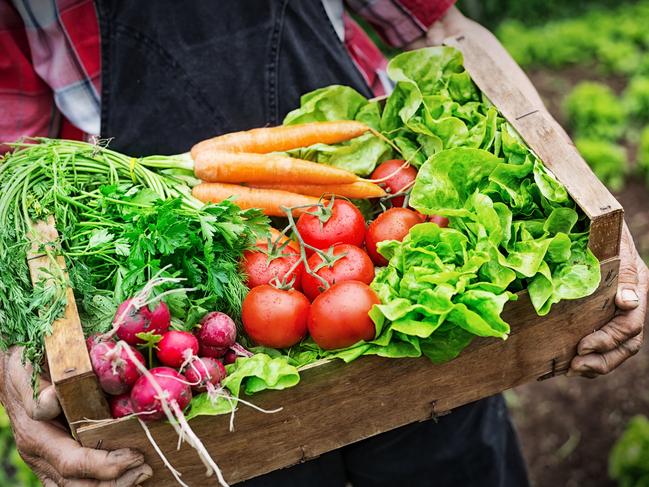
(337, 404)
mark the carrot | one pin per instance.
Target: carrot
(359, 189)
(277, 236)
(283, 137)
(229, 167)
(268, 200)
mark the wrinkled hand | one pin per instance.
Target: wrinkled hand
(621, 338)
(47, 447)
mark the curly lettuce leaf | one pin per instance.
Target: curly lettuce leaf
(249, 375)
(334, 102)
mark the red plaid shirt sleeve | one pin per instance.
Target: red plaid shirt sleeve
(26, 102)
(400, 22)
(49, 69)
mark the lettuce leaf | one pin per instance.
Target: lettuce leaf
(249, 375)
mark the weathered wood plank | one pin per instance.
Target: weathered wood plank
(337, 404)
(549, 141)
(68, 360)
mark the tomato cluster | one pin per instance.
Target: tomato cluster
(323, 289)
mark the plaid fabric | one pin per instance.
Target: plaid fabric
(52, 67)
(399, 22)
(50, 58)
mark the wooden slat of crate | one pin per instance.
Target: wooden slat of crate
(337, 404)
(68, 362)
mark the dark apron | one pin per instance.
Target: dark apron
(175, 72)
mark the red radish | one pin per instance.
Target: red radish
(261, 267)
(176, 347)
(353, 264)
(144, 396)
(230, 357)
(93, 339)
(398, 174)
(394, 224)
(115, 370)
(141, 320)
(217, 333)
(120, 406)
(203, 371)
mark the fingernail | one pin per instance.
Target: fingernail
(146, 474)
(571, 373)
(583, 369)
(142, 477)
(629, 296)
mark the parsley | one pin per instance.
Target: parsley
(120, 221)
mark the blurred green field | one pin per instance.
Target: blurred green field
(13, 471)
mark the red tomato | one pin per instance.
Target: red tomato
(345, 224)
(259, 271)
(394, 224)
(440, 220)
(356, 265)
(274, 317)
(397, 178)
(339, 316)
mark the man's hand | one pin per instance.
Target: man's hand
(605, 349)
(47, 447)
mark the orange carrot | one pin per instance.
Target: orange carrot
(268, 200)
(359, 189)
(230, 167)
(283, 137)
(277, 236)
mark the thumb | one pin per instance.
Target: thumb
(42, 407)
(627, 289)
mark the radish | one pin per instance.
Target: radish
(203, 371)
(93, 339)
(230, 357)
(114, 367)
(217, 333)
(145, 398)
(120, 406)
(131, 320)
(176, 347)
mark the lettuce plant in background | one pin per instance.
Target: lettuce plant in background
(593, 111)
(643, 153)
(598, 119)
(611, 40)
(607, 159)
(636, 99)
(629, 458)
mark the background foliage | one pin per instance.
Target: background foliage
(13, 471)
